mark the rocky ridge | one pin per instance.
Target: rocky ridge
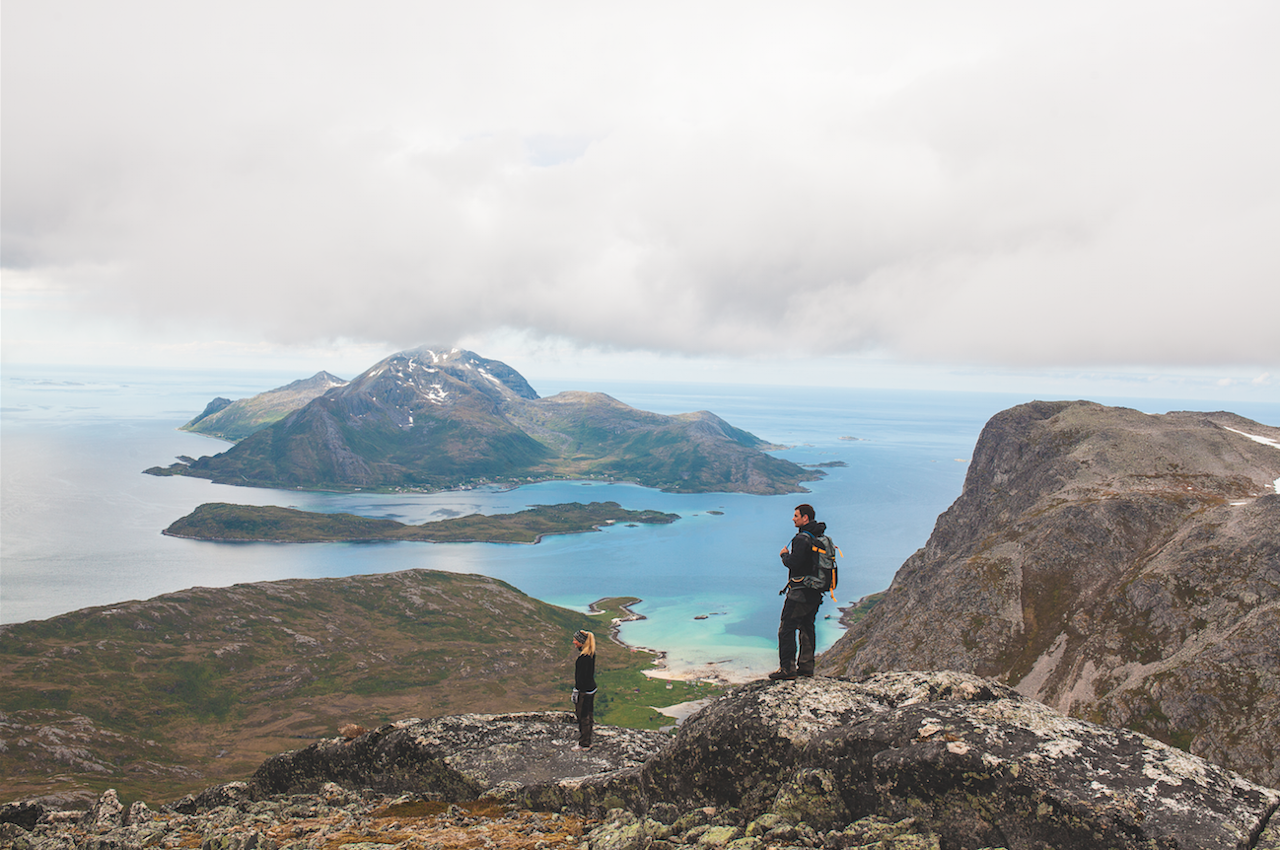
(900, 760)
(235, 420)
(1118, 566)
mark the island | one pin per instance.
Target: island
(427, 419)
(223, 522)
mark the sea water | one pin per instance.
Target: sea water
(81, 524)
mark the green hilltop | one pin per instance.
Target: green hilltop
(164, 696)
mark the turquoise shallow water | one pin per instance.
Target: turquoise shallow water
(81, 524)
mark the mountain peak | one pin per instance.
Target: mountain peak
(442, 376)
(236, 420)
(431, 418)
(1110, 563)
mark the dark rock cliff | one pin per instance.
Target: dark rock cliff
(1121, 567)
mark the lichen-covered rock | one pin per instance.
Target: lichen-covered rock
(237, 794)
(244, 839)
(308, 821)
(713, 835)
(708, 764)
(811, 796)
(882, 833)
(14, 836)
(106, 813)
(966, 759)
(138, 813)
(393, 758)
(1012, 772)
(624, 831)
(456, 758)
(1270, 837)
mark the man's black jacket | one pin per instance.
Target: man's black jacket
(802, 561)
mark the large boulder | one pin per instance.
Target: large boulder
(456, 758)
(966, 758)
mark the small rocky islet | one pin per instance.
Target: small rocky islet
(223, 522)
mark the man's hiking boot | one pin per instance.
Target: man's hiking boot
(803, 674)
(782, 674)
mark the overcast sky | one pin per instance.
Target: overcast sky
(979, 187)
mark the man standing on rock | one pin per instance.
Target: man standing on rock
(801, 605)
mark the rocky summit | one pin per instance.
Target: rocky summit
(1118, 566)
(897, 761)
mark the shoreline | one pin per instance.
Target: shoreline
(717, 672)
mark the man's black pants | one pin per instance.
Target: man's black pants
(797, 616)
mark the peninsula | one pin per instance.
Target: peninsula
(220, 521)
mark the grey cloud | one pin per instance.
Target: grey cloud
(1092, 185)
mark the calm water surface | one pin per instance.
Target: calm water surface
(81, 524)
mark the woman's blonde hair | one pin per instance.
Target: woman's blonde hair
(588, 641)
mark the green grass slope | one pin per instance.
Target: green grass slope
(238, 419)
(160, 697)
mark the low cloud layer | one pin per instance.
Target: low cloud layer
(984, 182)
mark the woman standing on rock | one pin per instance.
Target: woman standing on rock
(584, 686)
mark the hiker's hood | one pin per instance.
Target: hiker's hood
(817, 529)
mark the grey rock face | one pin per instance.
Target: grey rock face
(23, 813)
(1120, 567)
(106, 813)
(456, 758)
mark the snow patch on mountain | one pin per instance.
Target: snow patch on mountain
(1266, 441)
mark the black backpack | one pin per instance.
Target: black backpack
(825, 551)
